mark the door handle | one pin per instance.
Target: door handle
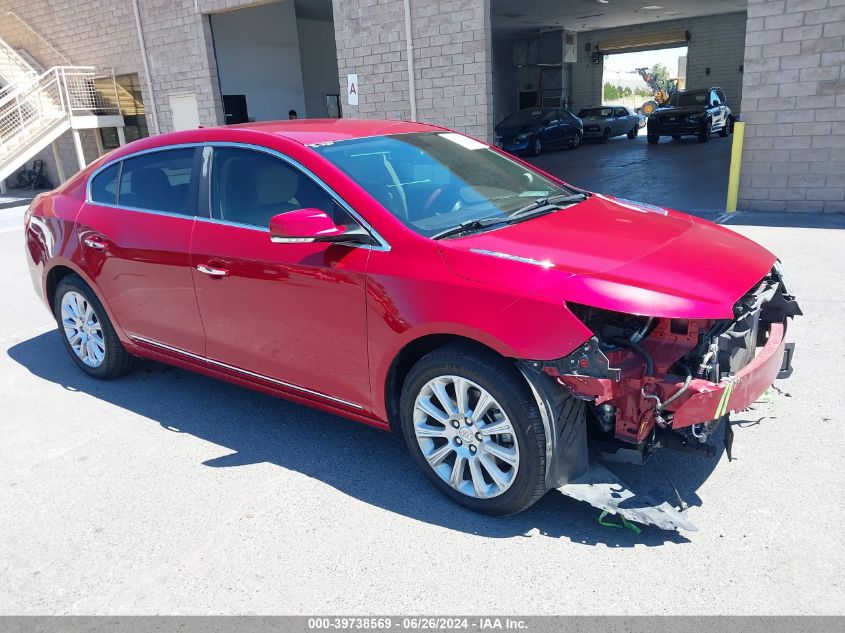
(96, 244)
(213, 272)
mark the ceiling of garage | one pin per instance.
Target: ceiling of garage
(520, 16)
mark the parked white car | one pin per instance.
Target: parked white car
(605, 122)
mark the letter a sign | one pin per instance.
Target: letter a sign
(352, 89)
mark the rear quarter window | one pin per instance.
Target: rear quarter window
(104, 185)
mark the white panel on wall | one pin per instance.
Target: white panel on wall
(184, 110)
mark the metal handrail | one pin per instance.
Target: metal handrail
(61, 91)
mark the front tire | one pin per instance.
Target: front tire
(472, 426)
(634, 133)
(575, 141)
(605, 135)
(87, 332)
(653, 139)
(704, 134)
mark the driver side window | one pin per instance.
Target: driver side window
(250, 187)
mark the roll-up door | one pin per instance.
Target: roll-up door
(655, 40)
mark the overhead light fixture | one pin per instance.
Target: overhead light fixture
(651, 7)
(603, 1)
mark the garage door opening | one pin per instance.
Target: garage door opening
(598, 48)
(643, 80)
(276, 58)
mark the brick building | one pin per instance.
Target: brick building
(456, 62)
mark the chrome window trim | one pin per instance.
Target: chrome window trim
(246, 372)
(382, 245)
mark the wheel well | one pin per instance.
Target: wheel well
(54, 277)
(407, 358)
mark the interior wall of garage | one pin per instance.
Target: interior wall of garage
(717, 43)
(257, 51)
(505, 79)
(318, 55)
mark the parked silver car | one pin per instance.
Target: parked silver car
(605, 122)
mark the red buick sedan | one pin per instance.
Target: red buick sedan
(418, 280)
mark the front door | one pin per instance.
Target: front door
(135, 234)
(290, 313)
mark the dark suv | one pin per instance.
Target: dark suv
(691, 113)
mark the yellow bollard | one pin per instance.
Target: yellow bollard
(736, 162)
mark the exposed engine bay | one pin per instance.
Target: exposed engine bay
(650, 383)
(656, 382)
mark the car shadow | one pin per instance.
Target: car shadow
(365, 463)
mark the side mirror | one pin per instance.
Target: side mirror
(311, 225)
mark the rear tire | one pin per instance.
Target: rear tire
(726, 129)
(536, 147)
(653, 139)
(482, 481)
(87, 332)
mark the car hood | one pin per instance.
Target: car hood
(681, 110)
(513, 130)
(617, 255)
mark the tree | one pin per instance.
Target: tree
(660, 73)
(611, 92)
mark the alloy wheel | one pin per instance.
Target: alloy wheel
(466, 437)
(83, 329)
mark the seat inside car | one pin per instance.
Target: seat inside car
(253, 191)
(150, 188)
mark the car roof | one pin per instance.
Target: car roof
(309, 131)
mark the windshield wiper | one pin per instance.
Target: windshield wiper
(470, 225)
(548, 201)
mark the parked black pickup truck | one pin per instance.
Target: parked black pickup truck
(691, 113)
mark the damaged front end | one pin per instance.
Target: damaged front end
(651, 383)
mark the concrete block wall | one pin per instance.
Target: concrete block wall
(176, 34)
(716, 42)
(794, 106)
(452, 61)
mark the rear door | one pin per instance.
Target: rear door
(135, 232)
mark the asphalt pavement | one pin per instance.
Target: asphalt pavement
(683, 174)
(165, 492)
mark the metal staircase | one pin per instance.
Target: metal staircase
(36, 109)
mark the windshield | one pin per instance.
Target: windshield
(524, 117)
(602, 113)
(433, 181)
(698, 98)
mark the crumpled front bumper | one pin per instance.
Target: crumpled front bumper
(709, 401)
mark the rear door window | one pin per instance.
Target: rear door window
(104, 185)
(160, 181)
